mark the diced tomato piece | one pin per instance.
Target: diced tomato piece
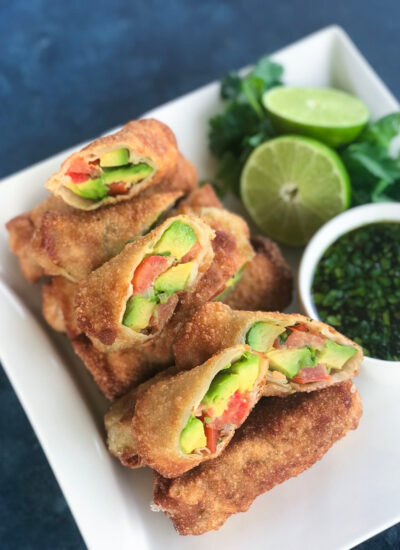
(311, 374)
(79, 170)
(79, 165)
(236, 410)
(302, 327)
(118, 188)
(147, 271)
(77, 177)
(299, 339)
(212, 437)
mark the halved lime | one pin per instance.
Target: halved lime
(331, 116)
(292, 185)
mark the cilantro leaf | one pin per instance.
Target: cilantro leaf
(243, 124)
(374, 173)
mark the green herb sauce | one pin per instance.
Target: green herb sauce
(356, 288)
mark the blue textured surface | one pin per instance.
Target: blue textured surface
(70, 70)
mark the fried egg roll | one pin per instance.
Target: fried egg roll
(129, 299)
(191, 417)
(279, 440)
(56, 239)
(304, 355)
(117, 167)
(267, 283)
(121, 439)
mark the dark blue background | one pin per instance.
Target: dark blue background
(70, 70)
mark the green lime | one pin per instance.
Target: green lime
(292, 185)
(331, 116)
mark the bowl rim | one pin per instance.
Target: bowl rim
(345, 222)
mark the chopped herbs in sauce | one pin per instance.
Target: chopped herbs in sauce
(356, 288)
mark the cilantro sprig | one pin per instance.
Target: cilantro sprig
(244, 124)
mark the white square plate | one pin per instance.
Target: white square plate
(347, 497)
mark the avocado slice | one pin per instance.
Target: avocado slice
(91, 189)
(223, 386)
(261, 335)
(334, 356)
(290, 361)
(174, 279)
(138, 312)
(231, 283)
(178, 239)
(127, 174)
(192, 436)
(247, 368)
(118, 157)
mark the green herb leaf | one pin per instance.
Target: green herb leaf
(244, 124)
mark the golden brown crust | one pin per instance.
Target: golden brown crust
(183, 179)
(58, 305)
(162, 411)
(101, 298)
(266, 283)
(148, 140)
(20, 231)
(201, 197)
(75, 243)
(280, 439)
(121, 439)
(215, 327)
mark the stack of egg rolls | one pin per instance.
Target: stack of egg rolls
(280, 439)
(116, 370)
(167, 300)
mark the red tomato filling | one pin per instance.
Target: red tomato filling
(147, 272)
(234, 413)
(300, 338)
(311, 374)
(118, 188)
(79, 170)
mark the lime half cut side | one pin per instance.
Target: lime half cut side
(292, 185)
(332, 116)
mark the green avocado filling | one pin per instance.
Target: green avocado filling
(173, 245)
(235, 380)
(230, 284)
(262, 335)
(265, 337)
(289, 361)
(114, 168)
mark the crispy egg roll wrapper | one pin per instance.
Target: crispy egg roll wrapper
(115, 372)
(101, 298)
(279, 440)
(56, 239)
(162, 411)
(216, 326)
(121, 439)
(58, 305)
(267, 284)
(148, 141)
(76, 243)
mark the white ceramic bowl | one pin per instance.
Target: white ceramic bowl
(327, 235)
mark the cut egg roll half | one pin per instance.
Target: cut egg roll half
(117, 167)
(304, 355)
(191, 417)
(129, 299)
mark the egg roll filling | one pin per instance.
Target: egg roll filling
(230, 284)
(167, 269)
(297, 353)
(224, 406)
(110, 175)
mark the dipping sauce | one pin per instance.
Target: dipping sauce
(356, 288)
